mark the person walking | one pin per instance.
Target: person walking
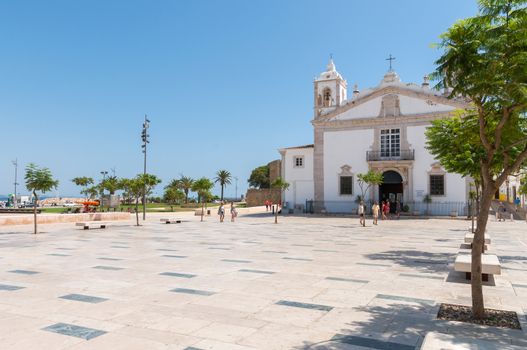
(398, 209)
(387, 210)
(267, 205)
(221, 212)
(361, 214)
(234, 213)
(375, 211)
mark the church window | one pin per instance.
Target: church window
(327, 98)
(390, 143)
(298, 161)
(346, 185)
(437, 185)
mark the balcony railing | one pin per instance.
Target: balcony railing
(407, 154)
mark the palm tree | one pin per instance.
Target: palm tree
(84, 182)
(111, 184)
(282, 185)
(185, 183)
(202, 187)
(38, 179)
(224, 178)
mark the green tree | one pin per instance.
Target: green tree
(367, 180)
(84, 182)
(139, 185)
(185, 183)
(149, 181)
(111, 184)
(282, 185)
(173, 196)
(484, 61)
(38, 180)
(202, 187)
(260, 177)
(223, 177)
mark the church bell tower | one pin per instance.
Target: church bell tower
(330, 90)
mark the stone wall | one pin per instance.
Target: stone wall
(275, 169)
(256, 197)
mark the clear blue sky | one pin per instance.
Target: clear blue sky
(225, 83)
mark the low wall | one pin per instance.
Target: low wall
(24, 219)
(257, 197)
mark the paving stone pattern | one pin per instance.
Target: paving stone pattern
(317, 283)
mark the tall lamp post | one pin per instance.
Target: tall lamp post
(15, 201)
(103, 173)
(144, 138)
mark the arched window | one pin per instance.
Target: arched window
(327, 97)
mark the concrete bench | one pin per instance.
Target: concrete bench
(171, 221)
(469, 238)
(490, 265)
(441, 341)
(92, 224)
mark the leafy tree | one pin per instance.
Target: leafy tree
(260, 177)
(523, 185)
(223, 177)
(111, 184)
(124, 184)
(185, 183)
(92, 192)
(427, 199)
(84, 182)
(149, 181)
(38, 180)
(139, 185)
(202, 187)
(173, 196)
(368, 179)
(282, 185)
(484, 62)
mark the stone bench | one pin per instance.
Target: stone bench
(92, 224)
(490, 265)
(441, 341)
(469, 238)
(171, 221)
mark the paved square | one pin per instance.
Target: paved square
(306, 283)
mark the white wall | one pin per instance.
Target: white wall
(344, 148)
(301, 187)
(410, 105)
(455, 185)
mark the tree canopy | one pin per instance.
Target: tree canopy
(260, 177)
(484, 62)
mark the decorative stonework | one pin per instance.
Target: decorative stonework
(390, 106)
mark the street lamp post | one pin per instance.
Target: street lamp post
(15, 201)
(144, 138)
(103, 173)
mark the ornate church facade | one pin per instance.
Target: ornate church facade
(383, 129)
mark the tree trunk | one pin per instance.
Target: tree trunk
(221, 193)
(276, 215)
(137, 211)
(186, 196)
(478, 306)
(202, 210)
(35, 212)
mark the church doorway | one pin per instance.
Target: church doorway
(391, 189)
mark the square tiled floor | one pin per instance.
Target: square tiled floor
(306, 283)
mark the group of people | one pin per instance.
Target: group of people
(376, 209)
(221, 212)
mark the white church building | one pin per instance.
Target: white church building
(383, 129)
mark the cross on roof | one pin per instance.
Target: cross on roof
(391, 58)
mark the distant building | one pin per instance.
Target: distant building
(382, 128)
